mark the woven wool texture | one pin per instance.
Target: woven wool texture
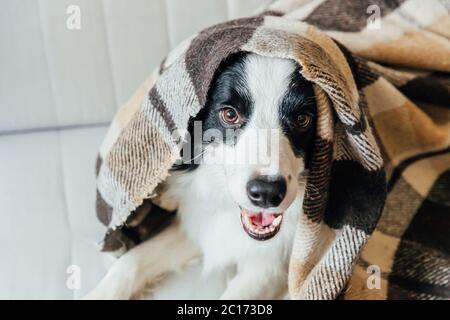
(379, 189)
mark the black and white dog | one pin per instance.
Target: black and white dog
(235, 215)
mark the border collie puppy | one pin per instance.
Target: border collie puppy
(239, 189)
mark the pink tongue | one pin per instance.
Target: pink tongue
(262, 219)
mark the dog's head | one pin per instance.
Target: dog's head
(258, 127)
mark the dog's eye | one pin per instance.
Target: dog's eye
(304, 121)
(230, 116)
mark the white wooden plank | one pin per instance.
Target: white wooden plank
(78, 62)
(239, 8)
(25, 92)
(35, 240)
(137, 38)
(188, 17)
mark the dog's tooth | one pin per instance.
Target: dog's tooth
(277, 221)
(248, 221)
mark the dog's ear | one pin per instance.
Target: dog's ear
(356, 196)
(143, 223)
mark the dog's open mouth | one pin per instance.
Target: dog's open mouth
(261, 225)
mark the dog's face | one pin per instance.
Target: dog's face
(258, 127)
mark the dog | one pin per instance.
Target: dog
(239, 216)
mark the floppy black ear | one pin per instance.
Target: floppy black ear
(356, 196)
(143, 223)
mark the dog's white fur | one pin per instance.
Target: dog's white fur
(208, 221)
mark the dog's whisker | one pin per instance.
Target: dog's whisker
(196, 157)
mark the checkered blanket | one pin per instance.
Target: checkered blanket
(380, 71)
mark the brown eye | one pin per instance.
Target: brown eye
(303, 121)
(229, 116)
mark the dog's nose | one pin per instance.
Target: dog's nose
(266, 191)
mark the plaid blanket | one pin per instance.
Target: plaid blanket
(380, 71)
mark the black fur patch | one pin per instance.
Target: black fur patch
(229, 88)
(299, 99)
(357, 196)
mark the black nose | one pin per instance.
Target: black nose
(266, 191)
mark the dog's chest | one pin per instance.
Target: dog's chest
(211, 219)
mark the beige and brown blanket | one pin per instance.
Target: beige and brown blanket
(380, 71)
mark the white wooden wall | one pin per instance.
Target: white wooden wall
(53, 76)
